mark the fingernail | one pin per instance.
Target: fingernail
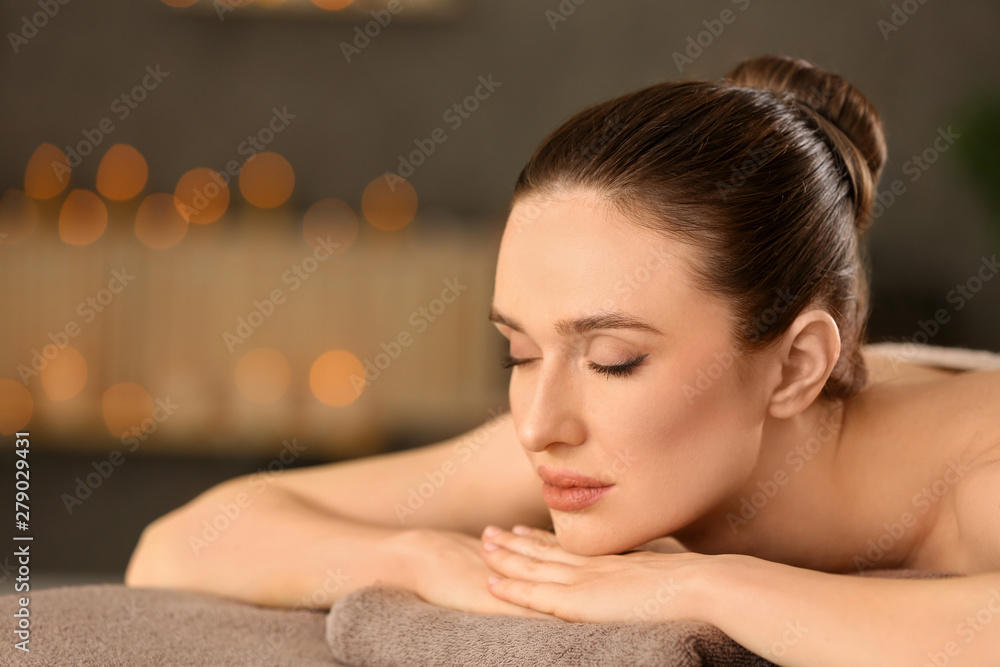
(491, 546)
(493, 580)
(491, 530)
(520, 530)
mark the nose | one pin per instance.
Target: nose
(546, 408)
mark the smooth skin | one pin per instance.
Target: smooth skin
(673, 538)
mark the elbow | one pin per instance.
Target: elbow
(167, 552)
(151, 564)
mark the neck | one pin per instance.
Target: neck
(787, 509)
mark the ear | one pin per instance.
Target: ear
(807, 356)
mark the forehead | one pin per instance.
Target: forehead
(574, 255)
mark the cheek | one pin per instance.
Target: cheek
(692, 446)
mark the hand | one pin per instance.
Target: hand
(536, 573)
(446, 570)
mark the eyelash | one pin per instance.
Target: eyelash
(616, 370)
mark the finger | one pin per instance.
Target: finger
(540, 596)
(542, 549)
(520, 566)
(537, 533)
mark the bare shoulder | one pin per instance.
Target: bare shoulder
(977, 515)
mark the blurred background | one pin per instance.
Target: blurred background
(250, 235)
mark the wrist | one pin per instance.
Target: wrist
(718, 587)
(401, 555)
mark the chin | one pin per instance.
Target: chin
(588, 538)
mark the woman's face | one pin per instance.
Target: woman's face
(673, 437)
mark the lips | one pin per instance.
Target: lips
(569, 491)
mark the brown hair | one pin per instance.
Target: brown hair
(769, 174)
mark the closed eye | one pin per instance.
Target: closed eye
(615, 370)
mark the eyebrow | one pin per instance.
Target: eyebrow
(582, 325)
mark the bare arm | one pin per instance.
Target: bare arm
(795, 616)
(306, 537)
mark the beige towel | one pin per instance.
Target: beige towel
(387, 627)
(958, 358)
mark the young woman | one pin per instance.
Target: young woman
(692, 411)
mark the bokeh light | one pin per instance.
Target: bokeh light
(16, 406)
(158, 223)
(47, 173)
(267, 180)
(337, 378)
(18, 216)
(122, 173)
(333, 222)
(263, 375)
(64, 375)
(389, 204)
(126, 406)
(201, 196)
(83, 218)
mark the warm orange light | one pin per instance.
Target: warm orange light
(332, 5)
(47, 174)
(64, 375)
(179, 3)
(122, 173)
(18, 216)
(263, 375)
(126, 406)
(267, 180)
(83, 218)
(331, 221)
(158, 224)
(389, 203)
(16, 406)
(337, 378)
(201, 196)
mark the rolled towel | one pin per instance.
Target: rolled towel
(379, 626)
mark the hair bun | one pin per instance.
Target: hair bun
(833, 101)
